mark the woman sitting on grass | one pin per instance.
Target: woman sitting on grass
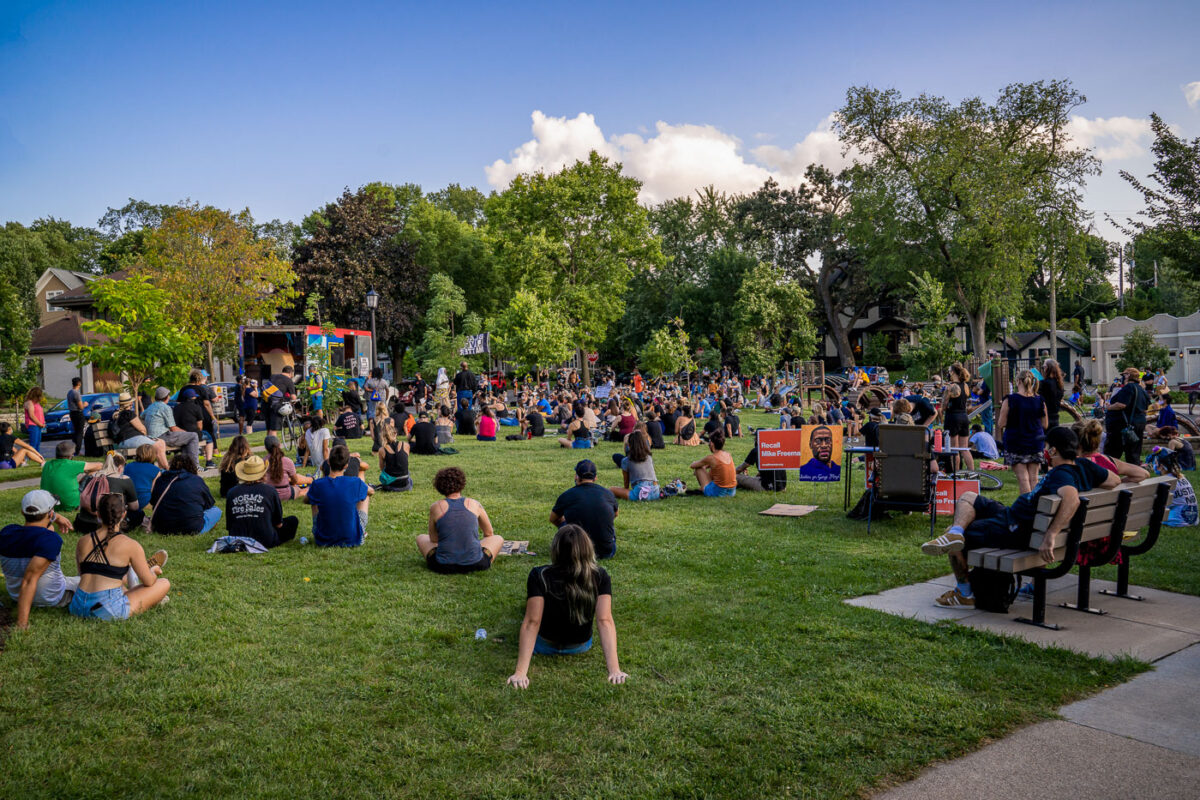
(143, 472)
(105, 558)
(444, 426)
(685, 428)
(239, 451)
(487, 425)
(637, 469)
(281, 472)
(182, 502)
(578, 437)
(564, 597)
(317, 441)
(393, 459)
(452, 544)
(716, 472)
(13, 451)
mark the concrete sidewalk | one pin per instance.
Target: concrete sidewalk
(1137, 741)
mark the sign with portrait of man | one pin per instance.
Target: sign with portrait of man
(821, 453)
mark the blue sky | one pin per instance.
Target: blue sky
(279, 106)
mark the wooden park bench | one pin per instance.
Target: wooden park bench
(105, 443)
(1101, 514)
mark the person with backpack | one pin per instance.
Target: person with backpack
(277, 392)
(60, 475)
(109, 479)
(982, 522)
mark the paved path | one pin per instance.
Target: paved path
(1137, 741)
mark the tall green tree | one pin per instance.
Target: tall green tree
(1140, 350)
(465, 203)
(668, 351)
(447, 324)
(531, 333)
(218, 273)
(574, 239)
(136, 334)
(353, 245)
(960, 185)
(930, 310)
(1172, 195)
(772, 320)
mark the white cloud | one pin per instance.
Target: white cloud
(675, 161)
(1192, 92)
(1115, 138)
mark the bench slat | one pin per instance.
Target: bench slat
(996, 557)
(1097, 530)
(1027, 559)
(1097, 498)
(1099, 514)
(975, 558)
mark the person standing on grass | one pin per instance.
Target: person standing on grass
(716, 472)
(279, 389)
(105, 558)
(465, 384)
(340, 504)
(1021, 426)
(592, 507)
(253, 509)
(564, 597)
(982, 522)
(453, 544)
(1126, 410)
(30, 557)
(35, 417)
(77, 412)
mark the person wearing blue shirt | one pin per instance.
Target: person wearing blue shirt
(544, 405)
(143, 472)
(30, 557)
(982, 444)
(340, 504)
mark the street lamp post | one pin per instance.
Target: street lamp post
(373, 303)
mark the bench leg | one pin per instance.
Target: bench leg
(1122, 583)
(1039, 606)
(1084, 592)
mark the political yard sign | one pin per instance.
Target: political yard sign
(813, 450)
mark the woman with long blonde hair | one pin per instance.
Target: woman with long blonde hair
(954, 412)
(1021, 426)
(564, 598)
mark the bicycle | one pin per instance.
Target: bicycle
(987, 481)
(289, 432)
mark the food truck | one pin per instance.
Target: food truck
(264, 350)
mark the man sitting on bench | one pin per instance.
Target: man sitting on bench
(982, 522)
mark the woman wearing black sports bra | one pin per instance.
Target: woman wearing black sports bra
(105, 558)
(685, 428)
(954, 406)
(579, 436)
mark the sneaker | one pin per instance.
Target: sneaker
(159, 559)
(953, 599)
(946, 543)
(1025, 592)
(209, 464)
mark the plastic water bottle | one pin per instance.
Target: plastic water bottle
(480, 634)
(303, 540)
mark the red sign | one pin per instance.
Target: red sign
(947, 492)
(593, 357)
(780, 449)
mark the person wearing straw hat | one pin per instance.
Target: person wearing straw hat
(131, 431)
(253, 509)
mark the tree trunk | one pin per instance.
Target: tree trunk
(841, 337)
(208, 355)
(978, 322)
(586, 367)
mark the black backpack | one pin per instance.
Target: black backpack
(993, 591)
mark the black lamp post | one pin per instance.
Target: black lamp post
(373, 303)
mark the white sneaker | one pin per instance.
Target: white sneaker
(946, 543)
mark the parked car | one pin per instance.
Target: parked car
(58, 418)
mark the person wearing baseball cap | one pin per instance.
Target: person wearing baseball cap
(30, 556)
(590, 506)
(253, 509)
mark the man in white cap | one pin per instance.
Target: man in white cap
(30, 557)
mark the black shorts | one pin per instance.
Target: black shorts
(274, 421)
(994, 527)
(431, 561)
(958, 425)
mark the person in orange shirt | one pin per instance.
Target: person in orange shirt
(716, 472)
(638, 385)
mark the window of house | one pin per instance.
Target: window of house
(50, 295)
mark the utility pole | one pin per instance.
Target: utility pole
(1121, 275)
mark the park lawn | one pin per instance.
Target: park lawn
(347, 673)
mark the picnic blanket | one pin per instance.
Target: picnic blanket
(511, 548)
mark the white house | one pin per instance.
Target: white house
(1180, 335)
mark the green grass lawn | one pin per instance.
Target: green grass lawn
(348, 673)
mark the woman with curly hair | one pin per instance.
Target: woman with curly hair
(453, 543)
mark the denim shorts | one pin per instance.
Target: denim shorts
(644, 490)
(581, 444)
(108, 604)
(545, 648)
(712, 490)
